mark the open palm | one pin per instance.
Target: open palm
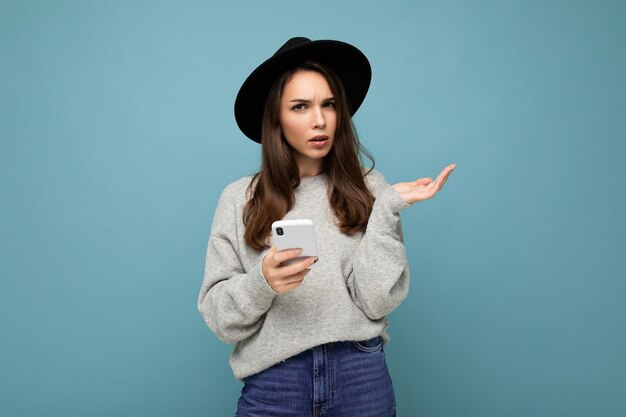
(423, 188)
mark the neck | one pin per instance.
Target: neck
(309, 167)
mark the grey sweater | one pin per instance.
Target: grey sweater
(357, 281)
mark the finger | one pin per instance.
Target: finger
(450, 169)
(423, 181)
(444, 173)
(445, 178)
(291, 285)
(298, 266)
(283, 255)
(440, 177)
(299, 277)
(294, 278)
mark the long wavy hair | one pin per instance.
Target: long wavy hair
(271, 190)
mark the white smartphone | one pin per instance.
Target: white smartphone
(291, 234)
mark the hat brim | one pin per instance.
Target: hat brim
(349, 63)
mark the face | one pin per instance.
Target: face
(308, 118)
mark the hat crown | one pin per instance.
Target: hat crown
(292, 43)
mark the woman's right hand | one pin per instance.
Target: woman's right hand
(285, 278)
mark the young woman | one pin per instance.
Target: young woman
(309, 338)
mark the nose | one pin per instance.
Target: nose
(319, 121)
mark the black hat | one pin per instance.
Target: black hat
(350, 65)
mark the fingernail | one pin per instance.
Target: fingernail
(315, 260)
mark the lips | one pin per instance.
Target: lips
(318, 138)
(319, 141)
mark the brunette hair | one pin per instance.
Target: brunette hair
(272, 188)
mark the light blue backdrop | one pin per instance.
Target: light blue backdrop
(118, 136)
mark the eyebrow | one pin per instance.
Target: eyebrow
(301, 100)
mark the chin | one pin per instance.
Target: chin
(319, 154)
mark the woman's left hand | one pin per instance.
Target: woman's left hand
(423, 188)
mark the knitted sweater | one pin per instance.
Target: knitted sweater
(357, 281)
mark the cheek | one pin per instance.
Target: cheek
(333, 122)
(292, 128)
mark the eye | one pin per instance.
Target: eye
(329, 104)
(298, 107)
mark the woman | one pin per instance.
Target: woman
(309, 338)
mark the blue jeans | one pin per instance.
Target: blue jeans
(340, 379)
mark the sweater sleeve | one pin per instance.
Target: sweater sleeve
(232, 301)
(379, 281)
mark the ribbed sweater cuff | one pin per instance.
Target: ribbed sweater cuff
(259, 290)
(391, 199)
(385, 212)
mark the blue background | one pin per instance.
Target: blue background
(117, 137)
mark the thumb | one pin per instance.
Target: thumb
(423, 181)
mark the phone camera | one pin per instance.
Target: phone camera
(279, 231)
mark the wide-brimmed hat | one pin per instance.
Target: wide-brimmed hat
(350, 65)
